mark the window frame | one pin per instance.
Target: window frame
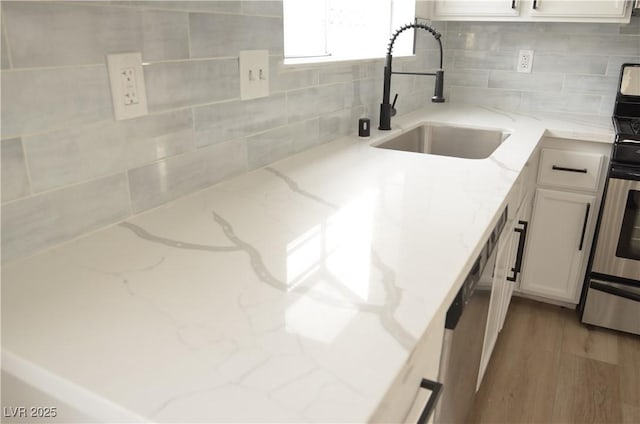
(302, 62)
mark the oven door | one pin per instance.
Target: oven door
(618, 247)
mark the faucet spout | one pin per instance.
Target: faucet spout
(387, 110)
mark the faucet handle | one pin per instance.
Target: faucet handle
(393, 105)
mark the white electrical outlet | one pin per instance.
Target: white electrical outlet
(254, 74)
(127, 85)
(525, 61)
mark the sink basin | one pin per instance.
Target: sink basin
(459, 142)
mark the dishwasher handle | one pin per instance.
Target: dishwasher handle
(436, 389)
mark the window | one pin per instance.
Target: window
(332, 30)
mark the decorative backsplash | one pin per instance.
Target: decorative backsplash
(575, 71)
(68, 168)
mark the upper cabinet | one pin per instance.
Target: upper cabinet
(588, 9)
(472, 10)
(529, 10)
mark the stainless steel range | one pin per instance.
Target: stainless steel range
(612, 294)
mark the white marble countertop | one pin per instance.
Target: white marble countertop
(292, 293)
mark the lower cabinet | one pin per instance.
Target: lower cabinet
(498, 287)
(570, 181)
(520, 230)
(506, 275)
(408, 399)
(558, 244)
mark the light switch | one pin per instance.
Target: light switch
(127, 85)
(254, 74)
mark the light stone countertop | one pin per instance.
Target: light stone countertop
(293, 293)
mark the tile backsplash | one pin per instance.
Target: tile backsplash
(575, 66)
(69, 168)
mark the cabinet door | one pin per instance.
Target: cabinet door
(582, 9)
(517, 247)
(557, 248)
(475, 8)
(498, 286)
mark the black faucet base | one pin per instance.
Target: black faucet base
(385, 117)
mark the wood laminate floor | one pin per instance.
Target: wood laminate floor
(549, 368)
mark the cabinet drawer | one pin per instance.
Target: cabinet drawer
(570, 169)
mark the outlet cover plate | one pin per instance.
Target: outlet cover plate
(127, 85)
(254, 74)
(525, 61)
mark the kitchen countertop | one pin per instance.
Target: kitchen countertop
(292, 293)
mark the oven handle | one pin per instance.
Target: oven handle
(615, 291)
(624, 173)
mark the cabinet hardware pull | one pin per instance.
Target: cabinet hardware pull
(436, 389)
(535, 4)
(562, 168)
(584, 225)
(513, 4)
(522, 234)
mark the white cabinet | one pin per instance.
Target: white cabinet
(496, 304)
(406, 399)
(511, 247)
(517, 251)
(618, 11)
(469, 8)
(599, 9)
(570, 181)
(507, 269)
(558, 244)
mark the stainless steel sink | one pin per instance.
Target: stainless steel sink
(459, 142)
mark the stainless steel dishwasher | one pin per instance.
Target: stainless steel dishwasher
(464, 335)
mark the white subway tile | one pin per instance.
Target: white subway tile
(41, 100)
(569, 63)
(168, 179)
(471, 59)
(38, 222)
(226, 121)
(276, 144)
(77, 154)
(468, 78)
(172, 85)
(77, 34)
(604, 44)
(224, 6)
(4, 51)
(310, 102)
(282, 78)
(15, 182)
(218, 35)
(544, 81)
(590, 84)
(499, 98)
(262, 8)
(561, 102)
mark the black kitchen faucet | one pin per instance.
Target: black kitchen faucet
(387, 110)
